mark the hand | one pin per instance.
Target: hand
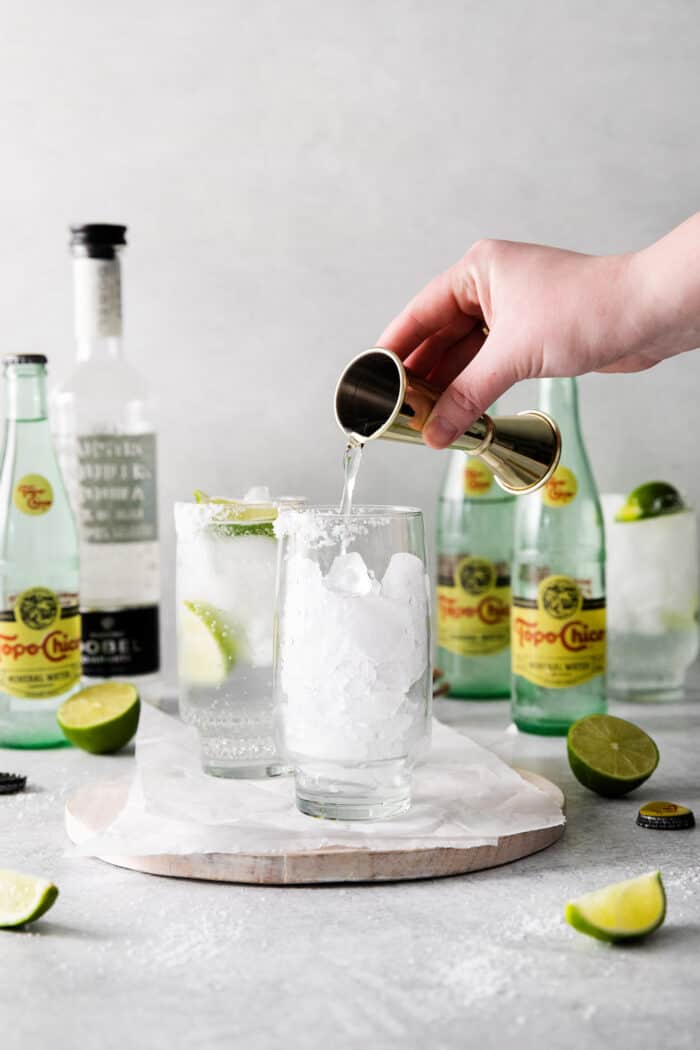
(548, 313)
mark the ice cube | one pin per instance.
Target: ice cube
(349, 575)
(257, 494)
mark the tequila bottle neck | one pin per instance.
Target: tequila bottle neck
(98, 307)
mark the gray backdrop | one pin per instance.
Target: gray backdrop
(292, 172)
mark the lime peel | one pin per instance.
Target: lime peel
(23, 898)
(651, 500)
(623, 911)
(609, 755)
(102, 718)
(209, 644)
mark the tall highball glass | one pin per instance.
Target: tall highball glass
(352, 657)
(652, 585)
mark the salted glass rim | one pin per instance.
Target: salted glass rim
(362, 510)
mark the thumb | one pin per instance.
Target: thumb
(486, 377)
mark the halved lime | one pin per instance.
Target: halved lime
(209, 644)
(23, 898)
(651, 500)
(610, 755)
(102, 718)
(624, 911)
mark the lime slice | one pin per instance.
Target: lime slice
(239, 518)
(209, 644)
(609, 755)
(23, 898)
(650, 501)
(624, 911)
(102, 718)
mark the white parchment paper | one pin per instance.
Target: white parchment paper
(463, 796)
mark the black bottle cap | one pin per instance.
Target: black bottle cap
(665, 816)
(11, 783)
(23, 359)
(97, 240)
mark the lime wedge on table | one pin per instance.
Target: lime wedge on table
(624, 911)
(650, 501)
(102, 718)
(609, 755)
(209, 644)
(23, 898)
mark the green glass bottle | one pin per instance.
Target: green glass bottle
(558, 617)
(39, 613)
(474, 548)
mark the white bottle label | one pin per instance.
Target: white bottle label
(117, 488)
(98, 299)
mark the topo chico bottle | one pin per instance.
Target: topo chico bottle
(39, 612)
(475, 549)
(558, 640)
(107, 448)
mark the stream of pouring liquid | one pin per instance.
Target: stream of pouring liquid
(351, 465)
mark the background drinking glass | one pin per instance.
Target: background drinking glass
(652, 587)
(226, 564)
(352, 657)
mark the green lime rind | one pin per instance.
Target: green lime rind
(626, 911)
(101, 719)
(609, 755)
(209, 644)
(263, 529)
(24, 898)
(651, 500)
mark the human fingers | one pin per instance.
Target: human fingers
(433, 350)
(434, 308)
(456, 359)
(494, 369)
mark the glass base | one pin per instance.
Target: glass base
(240, 755)
(363, 791)
(645, 693)
(247, 771)
(352, 808)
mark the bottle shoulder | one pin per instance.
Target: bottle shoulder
(108, 376)
(102, 396)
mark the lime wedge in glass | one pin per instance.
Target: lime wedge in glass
(23, 898)
(650, 501)
(624, 911)
(102, 718)
(238, 517)
(209, 644)
(610, 755)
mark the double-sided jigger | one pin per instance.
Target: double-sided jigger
(377, 397)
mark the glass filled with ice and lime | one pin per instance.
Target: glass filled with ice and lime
(652, 584)
(226, 567)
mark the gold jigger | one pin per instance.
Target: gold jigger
(377, 397)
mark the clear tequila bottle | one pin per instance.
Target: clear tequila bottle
(106, 439)
(558, 637)
(39, 613)
(474, 549)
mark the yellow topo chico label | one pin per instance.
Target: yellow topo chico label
(33, 495)
(473, 614)
(478, 479)
(558, 639)
(39, 646)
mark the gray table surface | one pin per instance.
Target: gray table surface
(130, 960)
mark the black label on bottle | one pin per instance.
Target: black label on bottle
(120, 642)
